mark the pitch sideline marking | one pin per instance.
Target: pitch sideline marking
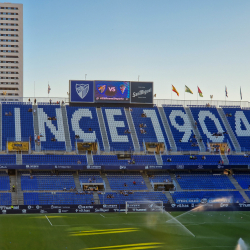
(102, 215)
(48, 220)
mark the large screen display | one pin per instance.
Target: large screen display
(112, 91)
(81, 91)
(141, 92)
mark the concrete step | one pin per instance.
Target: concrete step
(235, 183)
(36, 127)
(147, 182)
(225, 159)
(158, 159)
(169, 196)
(167, 129)
(90, 159)
(66, 129)
(107, 186)
(96, 198)
(77, 182)
(229, 130)
(103, 130)
(195, 130)
(175, 182)
(132, 130)
(19, 160)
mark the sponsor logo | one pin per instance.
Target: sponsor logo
(102, 210)
(139, 210)
(153, 167)
(67, 167)
(142, 92)
(59, 210)
(43, 211)
(4, 211)
(29, 207)
(244, 204)
(24, 211)
(204, 201)
(82, 207)
(94, 167)
(223, 205)
(122, 167)
(200, 166)
(82, 90)
(84, 211)
(37, 207)
(219, 166)
(173, 205)
(32, 166)
(180, 166)
(119, 210)
(109, 206)
(3, 166)
(182, 205)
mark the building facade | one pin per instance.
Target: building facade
(11, 51)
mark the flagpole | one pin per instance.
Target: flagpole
(171, 94)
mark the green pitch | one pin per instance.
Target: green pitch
(134, 231)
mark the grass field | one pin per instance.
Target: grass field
(134, 231)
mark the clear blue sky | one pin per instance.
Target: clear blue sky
(192, 42)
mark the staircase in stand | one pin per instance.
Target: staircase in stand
(177, 185)
(169, 196)
(195, 130)
(96, 198)
(229, 130)
(158, 159)
(36, 127)
(103, 130)
(147, 182)
(77, 182)
(90, 159)
(225, 159)
(132, 130)
(66, 129)
(19, 160)
(167, 129)
(239, 188)
(19, 190)
(107, 186)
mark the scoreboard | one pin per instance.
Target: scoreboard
(110, 92)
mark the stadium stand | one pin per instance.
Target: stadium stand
(119, 181)
(239, 120)
(61, 198)
(5, 199)
(80, 120)
(55, 159)
(154, 128)
(116, 124)
(157, 177)
(4, 182)
(243, 178)
(204, 181)
(121, 198)
(181, 129)
(51, 129)
(209, 122)
(214, 196)
(7, 159)
(17, 123)
(185, 159)
(92, 177)
(238, 159)
(47, 181)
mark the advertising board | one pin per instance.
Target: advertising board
(141, 92)
(112, 91)
(81, 91)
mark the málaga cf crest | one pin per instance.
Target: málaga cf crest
(82, 90)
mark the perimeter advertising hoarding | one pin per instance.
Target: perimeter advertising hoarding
(112, 91)
(81, 91)
(141, 92)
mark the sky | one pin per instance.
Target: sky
(203, 43)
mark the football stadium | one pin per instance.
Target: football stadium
(111, 168)
(116, 164)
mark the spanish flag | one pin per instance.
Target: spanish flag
(199, 91)
(175, 90)
(187, 89)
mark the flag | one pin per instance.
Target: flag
(187, 89)
(175, 90)
(240, 94)
(226, 91)
(49, 89)
(199, 91)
